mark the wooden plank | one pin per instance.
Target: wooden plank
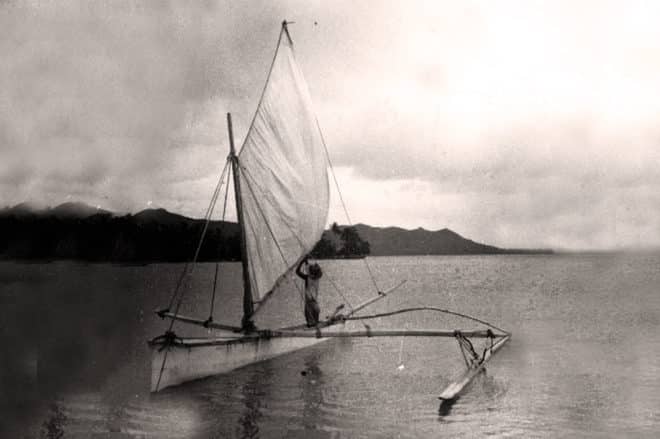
(453, 389)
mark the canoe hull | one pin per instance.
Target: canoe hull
(193, 359)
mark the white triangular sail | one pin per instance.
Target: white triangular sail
(283, 172)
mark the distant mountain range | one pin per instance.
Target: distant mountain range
(64, 210)
(393, 241)
(78, 231)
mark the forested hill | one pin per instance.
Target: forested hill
(79, 231)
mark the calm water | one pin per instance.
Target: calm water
(584, 360)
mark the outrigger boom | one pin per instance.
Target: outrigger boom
(385, 333)
(320, 333)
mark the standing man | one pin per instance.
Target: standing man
(311, 277)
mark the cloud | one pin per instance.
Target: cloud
(540, 118)
(111, 96)
(516, 123)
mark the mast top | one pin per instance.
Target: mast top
(285, 29)
(232, 149)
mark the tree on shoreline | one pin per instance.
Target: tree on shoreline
(340, 242)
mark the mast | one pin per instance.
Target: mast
(248, 306)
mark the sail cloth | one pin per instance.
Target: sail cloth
(283, 172)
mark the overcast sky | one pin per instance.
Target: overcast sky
(513, 123)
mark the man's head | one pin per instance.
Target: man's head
(315, 271)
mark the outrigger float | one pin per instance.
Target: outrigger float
(281, 189)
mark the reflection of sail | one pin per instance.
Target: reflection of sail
(248, 425)
(283, 172)
(253, 392)
(312, 394)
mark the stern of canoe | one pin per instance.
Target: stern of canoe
(190, 359)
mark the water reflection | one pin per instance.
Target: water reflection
(254, 391)
(445, 407)
(310, 392)
(484, 389)
(488, 386)
(311, 384)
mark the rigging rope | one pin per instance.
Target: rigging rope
(263, 91)
(426, 308)
(467, 349)
(215, 283)
(209, 212)
(207, 216)
(176, 288)
(340, 293)
(224, 211)
(341, 198)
